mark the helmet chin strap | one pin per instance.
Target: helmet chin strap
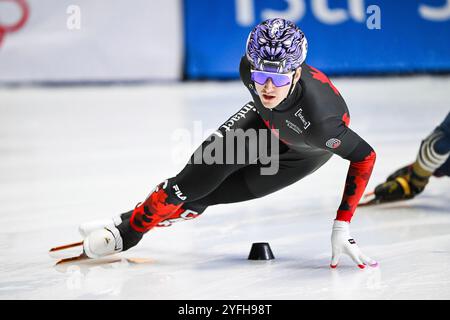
(290, 88)
(292, 83)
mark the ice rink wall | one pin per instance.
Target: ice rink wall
(65, 41)
(344, 36)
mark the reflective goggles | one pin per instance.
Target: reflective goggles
(278, 79)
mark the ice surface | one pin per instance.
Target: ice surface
(69, 155)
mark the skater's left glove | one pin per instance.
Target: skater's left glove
(343, 243)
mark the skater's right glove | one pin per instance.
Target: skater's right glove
(343, 243)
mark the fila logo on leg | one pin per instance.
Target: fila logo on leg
(179, 193)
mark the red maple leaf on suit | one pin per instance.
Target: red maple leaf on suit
(318, 75)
